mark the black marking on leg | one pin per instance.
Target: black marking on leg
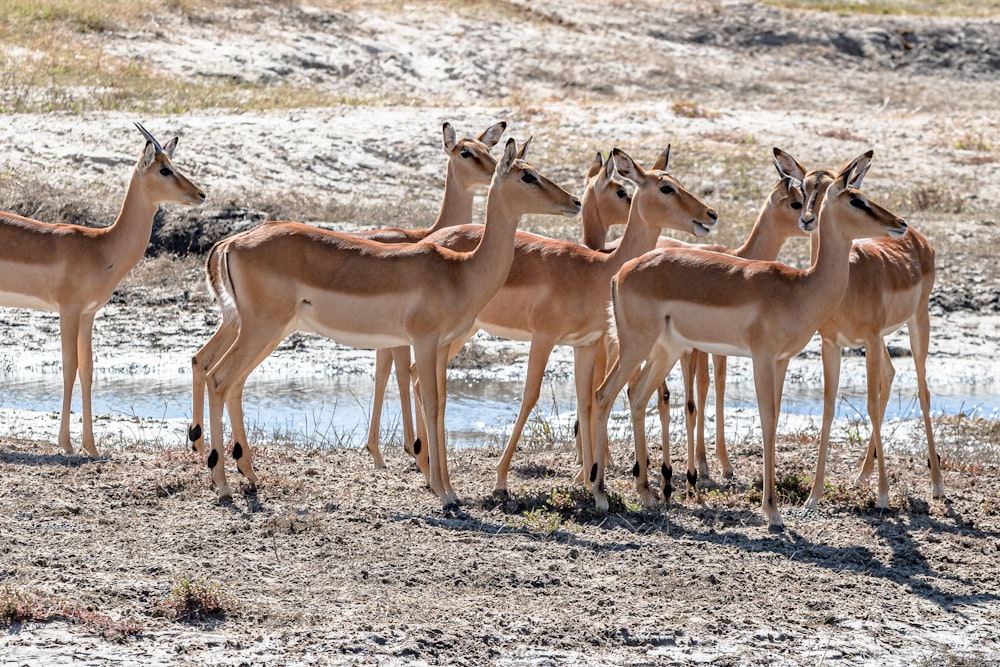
(875, 455)
(692, 477)
(194, 432)
(416, 447)
(635, 469)
(237, 451)
(668, 477)
(593, 473)
(690, 407)
(213, 459)
(576, 428)
(666, 395)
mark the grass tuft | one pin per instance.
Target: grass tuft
(195, 600)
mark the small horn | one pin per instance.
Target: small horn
(156, 144)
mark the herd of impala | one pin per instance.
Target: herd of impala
(631, 309)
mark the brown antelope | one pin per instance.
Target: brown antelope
(73, 270)
(889, 285)
(469, 167)
(668, 302)
(605, 197)
(777, 221)
(557, 291)
(284, 276)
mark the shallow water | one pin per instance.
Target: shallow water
(324, 410)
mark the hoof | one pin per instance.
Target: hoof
(225, 492)
(811, 503)
(776, 528)
(600, 502)
(501, 494)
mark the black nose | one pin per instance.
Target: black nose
(712, 214)
(576, 201)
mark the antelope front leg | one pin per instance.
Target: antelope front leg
(768, 398)
(699, 369)
(383, 367)
(69, 333)
(876, 355)
(719, 367)
(831, 382)
(85, 357)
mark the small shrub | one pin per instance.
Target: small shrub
(688, 109)
(17, 606)
(196, 600)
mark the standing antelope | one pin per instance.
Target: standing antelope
(889, 285)
(668, 302)
(777, 221)
(557, 291)
(73, 270)
(469, 167)
(284, 276)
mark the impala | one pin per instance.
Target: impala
(668, 302)
(73, 270)
(777, 221)
(284, 276)
(889, 285)
(605, 198)
(557, 291)
(469, 167)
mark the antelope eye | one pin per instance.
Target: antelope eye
(621, 193)
(858, 203)
(667, 189)
(796, 205)
(465, 152)
(165, 171)
(528, 177)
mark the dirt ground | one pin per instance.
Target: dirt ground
(334, 562)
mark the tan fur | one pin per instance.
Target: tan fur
(288, 276)
(668, 302)
(889, 285)
(469, 167)
(73, 270)
(556, 291)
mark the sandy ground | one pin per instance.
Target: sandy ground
(332, 562)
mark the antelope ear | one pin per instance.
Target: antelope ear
(492, 134)
(864, 163)
(449, 140)
(852, 173)
(509, 156)
(523, 151)
(170, 147)
(626, 166)
(148, 156)
(662, 160)
(595, 167)
(787, 166)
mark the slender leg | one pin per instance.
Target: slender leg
(225, 389)
(442, 385)
(699, 365)
(650, 379)
(203, 360)
(766, 384)
(85, 358)
(425, 354)
(401, 364)
(585, 360)
(831, 382)
(719, 364)
(919, 328)
(688, 369)
(876, 355)
(538, 357)
(383, 367)
(69, 334)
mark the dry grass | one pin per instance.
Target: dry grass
(963, 8)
